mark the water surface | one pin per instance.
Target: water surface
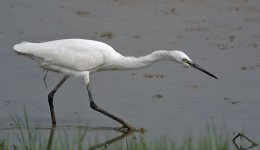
(166, 98)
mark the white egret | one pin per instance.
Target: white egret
(80, 58)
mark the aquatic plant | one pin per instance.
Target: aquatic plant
(31, 138)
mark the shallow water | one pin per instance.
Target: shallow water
(222, 36)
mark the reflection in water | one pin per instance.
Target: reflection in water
(110, 141)
(240, 147)
(99, 145)
(52, 130)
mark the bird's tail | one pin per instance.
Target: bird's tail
(22, 48)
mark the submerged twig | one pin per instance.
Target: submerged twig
(248, 139)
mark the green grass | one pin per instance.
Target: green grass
(29, 138)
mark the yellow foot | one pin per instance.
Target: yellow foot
(126, 128)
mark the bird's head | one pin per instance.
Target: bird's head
(184, 59)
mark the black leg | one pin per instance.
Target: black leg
(96, 108)
(50, 99)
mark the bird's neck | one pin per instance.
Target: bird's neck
(130, 63)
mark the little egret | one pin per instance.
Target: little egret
(80, 58)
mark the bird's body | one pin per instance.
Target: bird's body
(70, 56)
(80, 58)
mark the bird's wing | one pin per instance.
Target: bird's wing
(74, 59)
(71, 56)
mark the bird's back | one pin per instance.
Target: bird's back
(70, 44)
(75, 54)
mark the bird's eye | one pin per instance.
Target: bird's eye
(185, 60)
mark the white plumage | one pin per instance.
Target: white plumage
(70, 56)
(79, 57)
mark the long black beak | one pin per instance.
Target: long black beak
(201, 69)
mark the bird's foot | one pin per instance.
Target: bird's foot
(126, 128)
